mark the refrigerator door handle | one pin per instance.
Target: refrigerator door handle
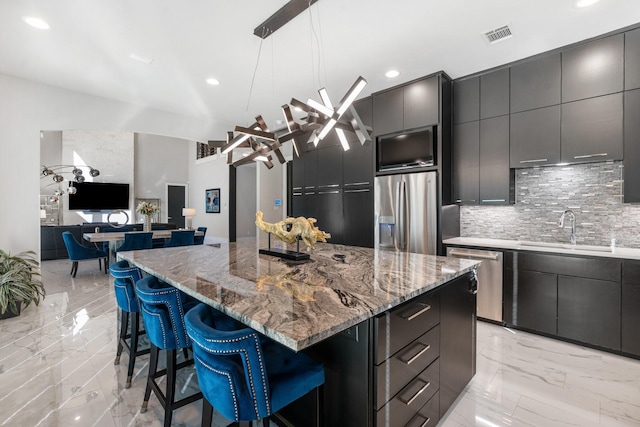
(402, 216)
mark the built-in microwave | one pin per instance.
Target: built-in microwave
(406, 150)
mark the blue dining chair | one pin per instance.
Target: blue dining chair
(199, 240)
(180, 238)
(244, 379)
(124, 286)
(135, 241)
(78, 252)
(163, 308)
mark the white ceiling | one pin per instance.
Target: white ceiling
(88, 46)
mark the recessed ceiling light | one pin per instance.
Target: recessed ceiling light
(139, 58)
(213, 82)
(585, 3)
(392, 73)
(36, 22)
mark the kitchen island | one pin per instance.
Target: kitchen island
(396, 331)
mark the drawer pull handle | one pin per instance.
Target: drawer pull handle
(587, 156)
(416, 394)
(329, 192)
(364, 190)
(533, 161)
(409, 317)
(356, 183)
(410, 359)
(474, 255)
(418, 421)
(493, 200)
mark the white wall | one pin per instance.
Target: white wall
(203, 174)
(26, 108)
(246, 199)
(160, 160)
(270, 183)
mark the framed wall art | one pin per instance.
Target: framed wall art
(212, 200)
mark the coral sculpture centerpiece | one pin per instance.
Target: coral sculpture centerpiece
(291, 229)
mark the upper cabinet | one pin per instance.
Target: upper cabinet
(494, 94)
(632, 60)
(496, 179)
(593, 69)
(632, 146)
(357, 162)
(466, 100)
(536, 83)
(421, 103)
(466, 163)
(592, 129)
(535, 137)
(406, 107)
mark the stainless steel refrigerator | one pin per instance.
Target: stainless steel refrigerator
(406, 208)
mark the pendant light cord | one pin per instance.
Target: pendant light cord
(255, 69)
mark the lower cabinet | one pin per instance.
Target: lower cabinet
(357, 205)
(579, 298)
(589, 311)
(531, 300)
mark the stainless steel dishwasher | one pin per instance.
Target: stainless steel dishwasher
(489, 297)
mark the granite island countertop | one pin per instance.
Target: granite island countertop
(298, 303)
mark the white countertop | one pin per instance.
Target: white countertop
(557, 248)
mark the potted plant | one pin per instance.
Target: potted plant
(20, 282)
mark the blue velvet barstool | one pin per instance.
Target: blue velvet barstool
(136, 241)
(78, 252)
(163, 308)
(181, 238)
(244, 379)
(126, 277)
(199, 240)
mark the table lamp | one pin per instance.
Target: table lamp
(188, 213)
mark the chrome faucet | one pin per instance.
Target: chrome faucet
(572, 218)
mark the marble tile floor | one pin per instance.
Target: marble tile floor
(56, 369)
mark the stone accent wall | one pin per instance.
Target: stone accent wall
(593, 191)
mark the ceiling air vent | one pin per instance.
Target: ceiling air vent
(498, 34)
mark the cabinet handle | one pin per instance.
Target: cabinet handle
(363, 190)
(410, 400)
(311, 193)
(492, 200)
(296, 188)
(533, 161)
(418, 421)
(356, 183)
(329, 192)
(424, 308)
(297, 194)
(329, 186)
(586, 156)
(462, 201)
(311, 187)
(409, 359)
(455, 253)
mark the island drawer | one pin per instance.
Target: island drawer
(399, 327)
(397, 371)
(403, 408)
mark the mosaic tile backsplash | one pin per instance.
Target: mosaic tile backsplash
(593, 191)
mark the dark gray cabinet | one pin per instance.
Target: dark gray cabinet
(535, 83)
(421, 103)
(466, 166)
(329, 213)
(388, 111)
(535, 294)
(496, 178)
(589, 311)
(632, 59)
(457, 339)
(358, 216)
(407, 107)
(632, 146)
(466, 100)
(630, 304)
(310, 170)
(329, 167)
(494, 94)
(535, 137)
(592, 129)
(593, 69)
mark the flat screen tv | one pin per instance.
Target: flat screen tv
(406, 150)
(99, 196)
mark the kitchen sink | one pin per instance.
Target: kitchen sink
(589, 248)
